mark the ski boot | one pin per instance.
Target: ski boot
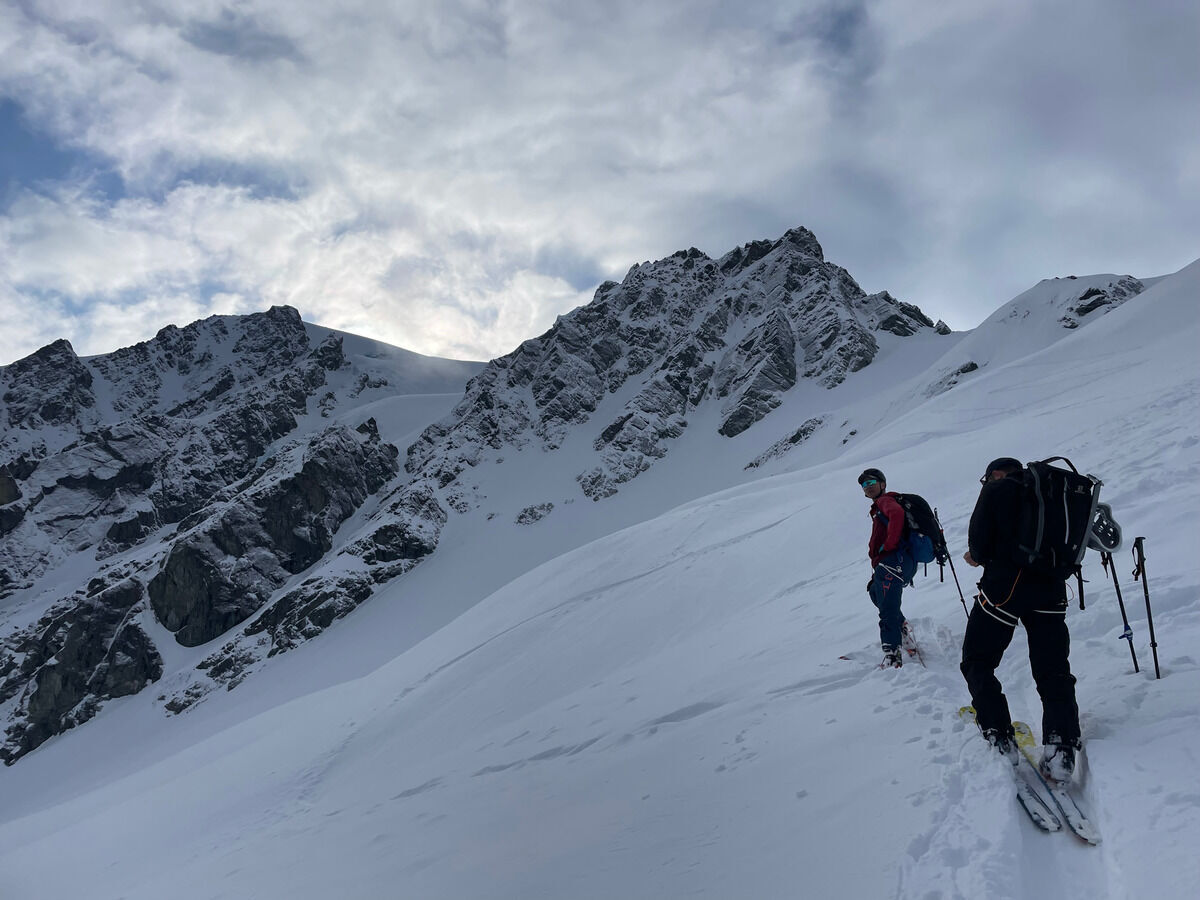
(1058, 760)
(1005, 745)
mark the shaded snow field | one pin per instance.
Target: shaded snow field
(663, 712)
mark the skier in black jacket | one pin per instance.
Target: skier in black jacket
(1009, 594)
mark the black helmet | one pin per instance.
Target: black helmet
(1005, 464)
(871, 473)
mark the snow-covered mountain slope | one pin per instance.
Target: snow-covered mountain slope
(190, 508)
(688, 356)
(1032, 321)
(238, 443)
(663, 711)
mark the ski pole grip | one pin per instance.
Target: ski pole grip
(1139, 557)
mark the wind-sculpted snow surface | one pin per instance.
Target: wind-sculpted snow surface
(172, 485)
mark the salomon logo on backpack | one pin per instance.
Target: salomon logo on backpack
(1056, 517)
(925, 537)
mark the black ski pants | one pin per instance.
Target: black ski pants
(1041, 607)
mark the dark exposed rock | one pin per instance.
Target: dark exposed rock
(310, 609)
(9, 489)
(392, 542)
(779, 448)
(536, 513)
(83, 652)
(49, 387)
(26, 464)
(224, 571)
(328, 354)
(10, 518)
(1094, 298)
(198, 600)
(123, 534)
(772, 349)
(951, 378)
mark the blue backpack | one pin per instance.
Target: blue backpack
(924, 535)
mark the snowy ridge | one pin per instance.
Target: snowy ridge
(663, 711)
(1032, 321)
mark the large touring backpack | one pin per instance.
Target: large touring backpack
(1057, 514)
(925, 535)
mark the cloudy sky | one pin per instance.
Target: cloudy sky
(450, 176)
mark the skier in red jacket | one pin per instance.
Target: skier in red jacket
(892, 561)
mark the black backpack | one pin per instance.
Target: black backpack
(1057, 512)
(921, 520)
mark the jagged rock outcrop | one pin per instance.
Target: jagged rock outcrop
(405, 530)
(742, 329)
(782, 446)
(85, 650)
(177, 469)
(50, 387)
(177, 430)
(226, 568)
(1098, 297)
(758, 371)
(534, 513)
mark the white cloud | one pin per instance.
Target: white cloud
(453, 173)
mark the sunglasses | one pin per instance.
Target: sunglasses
(870, 481)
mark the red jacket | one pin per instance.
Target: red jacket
(887, 526)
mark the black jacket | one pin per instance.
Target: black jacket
(992, 534)
(992, 539)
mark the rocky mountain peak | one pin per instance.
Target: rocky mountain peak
(805, 241)
(690, 330)
(51, 386)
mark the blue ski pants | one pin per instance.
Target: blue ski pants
(891, 575)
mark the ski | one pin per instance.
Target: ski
(1039, 811)
(1036, 808)
(1079, 824)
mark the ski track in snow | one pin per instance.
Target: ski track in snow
(1000, 854)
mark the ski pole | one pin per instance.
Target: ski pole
(1139, 571)
(950, 559)
(1110, 568)
(961, 598)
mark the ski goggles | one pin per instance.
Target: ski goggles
(866, 484)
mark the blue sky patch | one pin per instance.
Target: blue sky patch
(30, 159)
